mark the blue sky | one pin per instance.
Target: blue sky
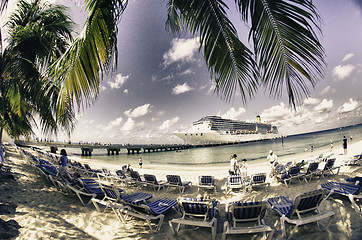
(162, 83)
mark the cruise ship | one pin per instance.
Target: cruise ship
(217, 130)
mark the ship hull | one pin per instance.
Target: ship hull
(206, 138)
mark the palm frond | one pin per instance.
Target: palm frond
(79, 71)
(286, 46)
(229, 61)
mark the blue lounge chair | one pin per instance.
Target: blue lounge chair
(207, 182)
(234, 182)
(350, 190)
(151, 211)
(249, 213)
(151, 180)
(301, 211)
(328, 168)
(175, 181)
(196, 212)
(92, 186)
(135, 176)
(293, 173)
(257, 180)
(311, 170)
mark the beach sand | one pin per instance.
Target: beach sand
(32, 208)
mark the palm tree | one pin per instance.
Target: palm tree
(286, 51)
(38, 35)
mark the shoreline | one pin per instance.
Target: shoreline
(45, 213)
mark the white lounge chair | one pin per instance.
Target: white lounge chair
(207, 182)
(196, 212)
(301, 211)
(350, 190)
(175, 181)
(240, 215)
(234, 182)
(257, 180)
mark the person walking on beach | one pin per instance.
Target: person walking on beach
(140, 162)
(63, 162)
(233, 164)
(272, 157)
(345, 145)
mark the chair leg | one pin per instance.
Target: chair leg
(354, 204)
(226, 226)
(213, 228)
(282, 225)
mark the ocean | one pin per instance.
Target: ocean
(287, 148)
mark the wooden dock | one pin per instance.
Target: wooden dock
(87, 149)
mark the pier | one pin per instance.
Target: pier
(114, 149)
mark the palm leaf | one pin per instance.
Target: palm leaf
(229, 61)
(287, 49)
(79, 71)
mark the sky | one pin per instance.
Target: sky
(162, 84)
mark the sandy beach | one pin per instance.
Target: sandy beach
(32, 208)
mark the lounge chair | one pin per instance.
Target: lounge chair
(124, 178)
(311, 170)
(240, 214)
(257, 180)
(301, 211)
(328, 168)
(196, 212)
(151, 180)
(207, 182)
(69, 185)
(293, 173)
(357, 160)
(352, 191)
(234, 182)
(92, 186)
(151, 211)
(175, 181)
(355, 180)
(135, 176)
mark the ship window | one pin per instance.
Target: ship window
(196, 134)
(200, 134)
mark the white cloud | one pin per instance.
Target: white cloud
(348, 106)
(118, 81)
(233, 114)
(181, 50)
(187, 72)
(103, 88)
(324, 106)
(168, 123)
(347, 57)
(341, 72)
(125, 91)
(328, 90)
(139, 111)
(111, 124)
(181, 89)
(311, 101)
(129, 125)
(276, 113)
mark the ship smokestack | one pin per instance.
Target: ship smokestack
(258, 119)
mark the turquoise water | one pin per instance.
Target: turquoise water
(255, 152)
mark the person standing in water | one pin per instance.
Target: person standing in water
(140, 162)
(345, 145)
